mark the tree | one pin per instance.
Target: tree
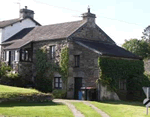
(138, 47)
(146, 34)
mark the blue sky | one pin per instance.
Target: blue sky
(120, 19)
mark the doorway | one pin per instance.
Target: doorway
(77, 86)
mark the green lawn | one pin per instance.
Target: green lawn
(49, 109)
(122, 109)
(4, 88)
(85, 109)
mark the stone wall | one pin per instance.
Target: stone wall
(92, 32)
(88, 70)
(105, 94)
(147, 65)
(46, 44)
(25, 70)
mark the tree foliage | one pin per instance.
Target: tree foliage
(138, 47)
(146, 34)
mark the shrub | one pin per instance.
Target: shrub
(43, 84)
(59, 93)
(4, 69)
(12, 79)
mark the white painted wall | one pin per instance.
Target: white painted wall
(9, 31)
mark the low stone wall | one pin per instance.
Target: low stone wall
(29, 98)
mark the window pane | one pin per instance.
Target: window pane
(56, 79)
(56, 84)
(22, 55)
(52, 51)
(26, 53)
(77, 60)
(60, 80)
(60, 85)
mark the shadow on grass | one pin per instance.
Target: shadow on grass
(124, 103)
(14, 104)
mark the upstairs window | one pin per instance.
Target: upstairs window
(52, 51)
(77, 60)
(57, 83)
(122, 84)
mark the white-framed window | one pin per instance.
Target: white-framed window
(7, 55)
(16, 55)
(4, 55)
(57, 83)
(122, 84)
(13, 55)
(52, 51)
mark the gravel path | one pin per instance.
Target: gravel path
(103, 114)
(77, 113)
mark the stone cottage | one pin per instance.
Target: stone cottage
(86, 42)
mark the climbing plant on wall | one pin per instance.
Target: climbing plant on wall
(112, 70)
(64, 67)
(45, 70)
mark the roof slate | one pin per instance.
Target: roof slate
(20, 34)
(12, 21)
(48, 32)
(106, 49)
(8, 22)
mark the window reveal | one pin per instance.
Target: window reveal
(26, 55)
(77, 60)
(52, 51)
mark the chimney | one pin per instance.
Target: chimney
(25, 13)
(89, 17)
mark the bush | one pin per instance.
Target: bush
(59, 93)
(4, 69)
(43, 84)
(12, 79)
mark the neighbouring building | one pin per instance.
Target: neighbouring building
(86, 42)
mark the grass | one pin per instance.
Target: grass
(85, 109)
(122, 109)
(5, 89)
(49, 109)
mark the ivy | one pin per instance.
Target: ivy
(45, 70)
(112, 70)
(64, 64)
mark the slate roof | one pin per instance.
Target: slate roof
(13, 21)
(48, 32)
(106, 49)
(20, 34)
